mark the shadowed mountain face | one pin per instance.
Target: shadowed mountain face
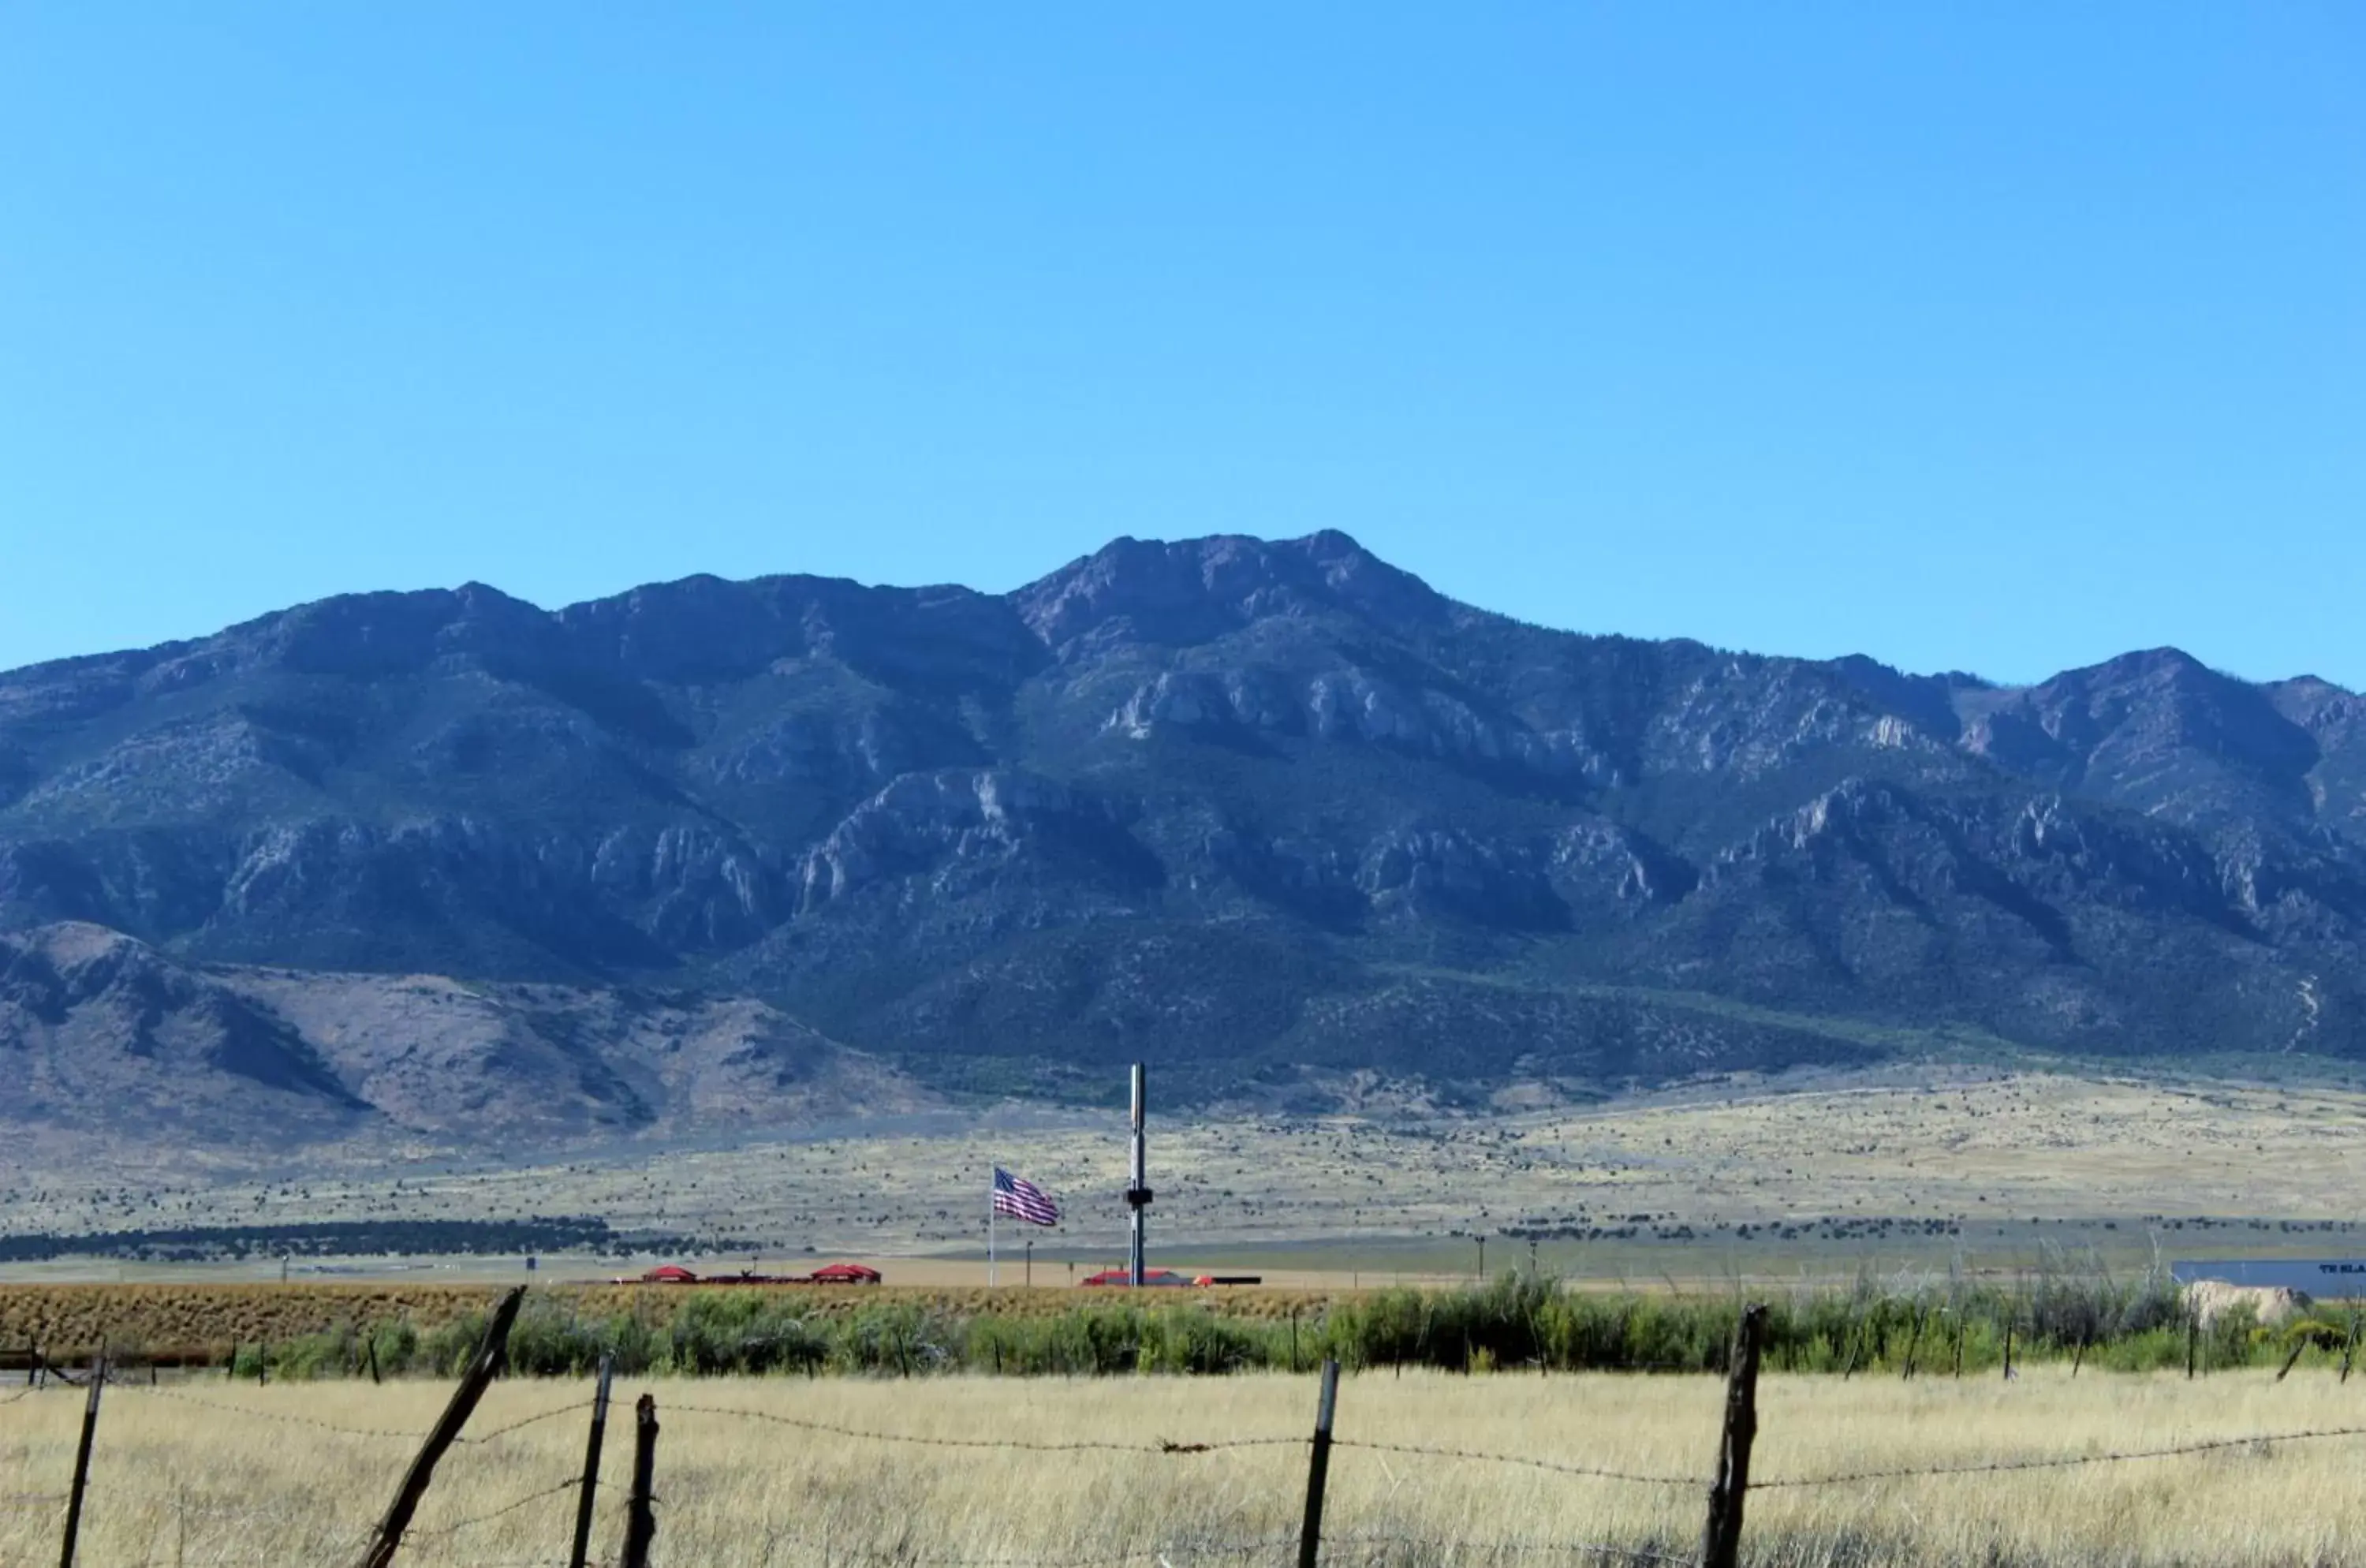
(1259, 812)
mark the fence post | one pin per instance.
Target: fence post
(2193, 1341)
(447, 1426)
(2299, 1346)
(1721, 1538)
(591, 1466)
(2008, 1350)
(1318, 1467)
(2350, 1346)
(640, 1522)
(373, 1357)
(82, 1458)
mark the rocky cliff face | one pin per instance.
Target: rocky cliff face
(1250, 808)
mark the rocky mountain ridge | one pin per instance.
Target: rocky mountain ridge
(1262, 812)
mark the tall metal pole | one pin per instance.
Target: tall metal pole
(1137, 1191)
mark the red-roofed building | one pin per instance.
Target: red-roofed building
(845, 1274)
(1150, 1277)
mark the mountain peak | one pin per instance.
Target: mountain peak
(1194, 591)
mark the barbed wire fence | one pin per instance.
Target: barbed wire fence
(632, 1520)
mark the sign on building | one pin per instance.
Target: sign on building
(2318, 1276)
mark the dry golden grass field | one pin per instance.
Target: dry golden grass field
(70, 1321)
(209, 1474)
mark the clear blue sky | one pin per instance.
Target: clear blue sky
(1985, 336)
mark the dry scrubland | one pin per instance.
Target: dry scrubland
(175, 1482)
(72, 1320)
(1955, 1143)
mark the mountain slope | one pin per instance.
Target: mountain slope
(1209, 802)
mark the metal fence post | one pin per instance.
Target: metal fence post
(1318, 1467)
(1721, 1538)
(81, 1459)
(640, 1519)
(591, 1466)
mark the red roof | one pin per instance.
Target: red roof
(845, 1274)
(669, 1274)
(1123, 1277)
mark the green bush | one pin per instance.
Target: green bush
(1511, 1322)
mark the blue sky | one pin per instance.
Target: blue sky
(1993, 337)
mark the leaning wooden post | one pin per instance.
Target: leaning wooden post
(2299, 1345)
(1318, 1467)
(1721, 1538)
(2350, 1348)
(591, 1466)
(640, 1522)
(82, 1458)
(473, 1383)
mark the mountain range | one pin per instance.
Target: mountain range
(1275, 816)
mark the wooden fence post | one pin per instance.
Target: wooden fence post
(641, 1520)
(479, 1372)
(2299, 1345)
(2350, 1346)
(2193, 1341)
(1318, 1467)
(82, 1458)
(591, 1466)
(2008, 1350)
(1721, 1538)
(373, 1358)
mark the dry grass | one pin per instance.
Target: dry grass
(70, 1321)
(182, 1483)
(1991, 1147)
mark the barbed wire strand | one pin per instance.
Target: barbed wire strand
(2056, 1461)
(1204, 1548)
(288, 1417)
(1572, 1547)
(1163, 1444)
(294, 1419)
(1597, 1473)
(505, 1431)
(436, 1532)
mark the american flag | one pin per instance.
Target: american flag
(1022, 1200)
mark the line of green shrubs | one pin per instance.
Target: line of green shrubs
(1517, 1323)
